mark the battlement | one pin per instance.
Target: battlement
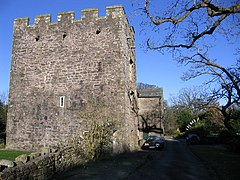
(69, 17)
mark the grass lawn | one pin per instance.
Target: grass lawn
(221, 163)
(11, 154)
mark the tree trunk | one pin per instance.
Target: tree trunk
(228, 125)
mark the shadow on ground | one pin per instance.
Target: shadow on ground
(116, 167)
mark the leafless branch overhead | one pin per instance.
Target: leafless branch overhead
(220, 14)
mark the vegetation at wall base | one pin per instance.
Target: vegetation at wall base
(3, 116)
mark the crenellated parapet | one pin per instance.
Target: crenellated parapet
(89, 13)
(66, 17)
(114, 11)
(69, 17)
(21, 22)
(42, 19)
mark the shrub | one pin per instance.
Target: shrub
(224, 136)
(97, 141)
(94, 143)
(234, 145)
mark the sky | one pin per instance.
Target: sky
(152, 67)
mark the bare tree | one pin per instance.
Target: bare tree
(170, 120)
(186, 22)
(3, 111)
(4, 97)
(193, 99)
(189, 28)
(226, 84)
(196, 102)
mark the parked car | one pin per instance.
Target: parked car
(192, 139)
(154, 142)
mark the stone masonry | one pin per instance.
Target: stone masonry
(63, 71)
(150, 102)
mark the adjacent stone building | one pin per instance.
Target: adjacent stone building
(150, 103)
(69, 74)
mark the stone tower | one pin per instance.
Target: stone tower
(68, 74)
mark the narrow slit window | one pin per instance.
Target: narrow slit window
(62, 98)
(37, 38)
(64, 35)
(131, 61)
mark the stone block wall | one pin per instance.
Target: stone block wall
(43, 165)
(150, 102)
(60, 70)
(150, 112)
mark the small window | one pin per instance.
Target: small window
(37, 38)
(131, 61)
(62, 101)
(64, 35)
(98, 31)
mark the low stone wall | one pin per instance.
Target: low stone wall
(43, 165)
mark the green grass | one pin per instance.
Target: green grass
(220, 163)
(11, 154)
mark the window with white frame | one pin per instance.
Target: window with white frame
(62, 98)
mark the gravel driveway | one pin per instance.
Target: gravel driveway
(174, 162)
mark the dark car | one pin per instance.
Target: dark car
(192, 139)
(154, 142)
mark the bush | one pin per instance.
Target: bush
(224, 136)
(94, 143)
(177, 134)
(236, 125)
(2, 139)
(234, 145)
(97, 141)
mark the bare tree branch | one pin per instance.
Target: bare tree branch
(212, 11)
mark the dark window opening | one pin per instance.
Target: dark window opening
(62, 101)
(98, 31)
(131, 93)
(99, 66)
(64, 35)
(131, 61)
(37, 38)
(101, 88)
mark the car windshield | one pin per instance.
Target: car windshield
(154, 138)
(192, 135)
